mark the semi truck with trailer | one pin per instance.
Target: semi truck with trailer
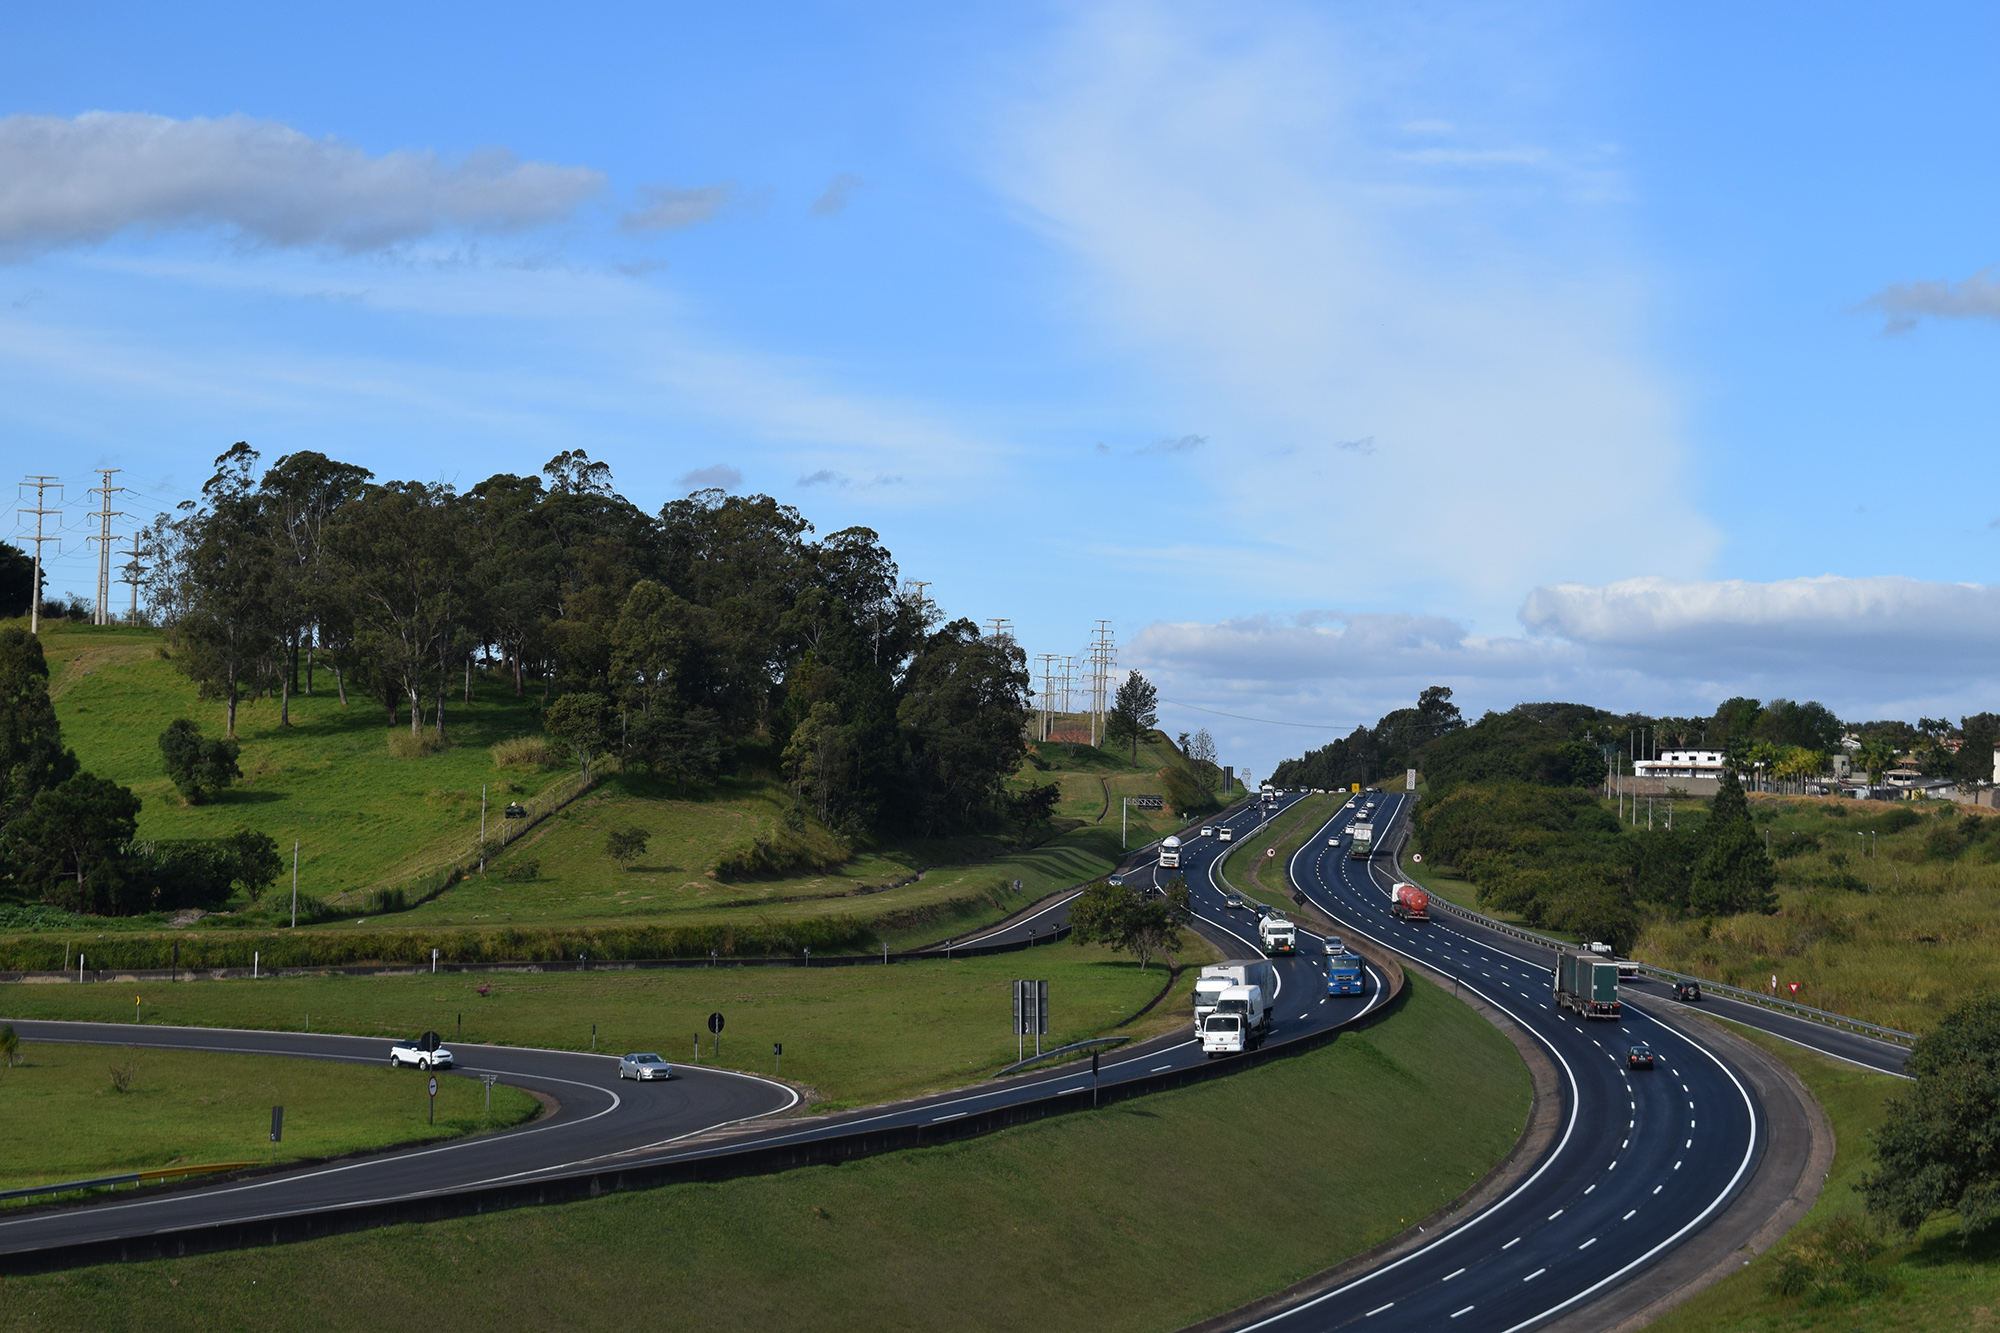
(1343, 974)
(1407, 902)
(1586, 984)
(1170, 853)
(1362, 845)
(1237, 1024)
(1277, 935)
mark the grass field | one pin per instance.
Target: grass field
(65, 1119)
(1093, 1220)
(855, 1034)
(1894, 928)
(365, 819)
(1931, 1283)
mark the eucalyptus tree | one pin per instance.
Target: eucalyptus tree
(405, 577)
(228, 633)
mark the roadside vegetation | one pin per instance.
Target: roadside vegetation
(993, 1233)
(74, 1112)
(1901, 1236)
(855, 1035)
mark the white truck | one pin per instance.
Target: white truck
(1363, 845)
(1170, 853)
(1277, 935)
(1238, 1023)
(1219, 977)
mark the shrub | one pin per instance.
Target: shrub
(627, 845)
(198, 766)
(528, 752)
(522, 871)
(1896, 820)
(122, 1075)
(403, 745)
(782, 852)
(1830, 1263)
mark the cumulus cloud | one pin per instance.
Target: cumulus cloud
(1866, 647)
(1902, 304)
(670, 209)
(721, 474)
(839, 191)
(84, 180)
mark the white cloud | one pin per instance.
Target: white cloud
(838, 194)
(1904, 303)
(670, 209)
(702, 478)
(1866, 647)
(72, 182)
(1246, 219)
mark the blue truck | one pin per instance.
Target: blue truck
(1343, 974)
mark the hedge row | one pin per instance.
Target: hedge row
(300, 948)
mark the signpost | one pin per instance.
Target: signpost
(277, 1124)
(1031, 1014)
(489, 1080)
(434, 1099)
(715, 1026)
(1127, 804)
(778, 1058)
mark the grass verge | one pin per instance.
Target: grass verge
(1090, 1220)
(856, 1034)
(67, 1120)
(1932, 1282)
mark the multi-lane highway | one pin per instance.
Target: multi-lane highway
(602, 1124)
(1641, 1160)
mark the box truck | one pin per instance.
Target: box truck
(1218, 977)
(1277, 935)
(1238, 1023)
(1363, 845)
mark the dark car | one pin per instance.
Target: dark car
(1640, 1058)
(1687, 991)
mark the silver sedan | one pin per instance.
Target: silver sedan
(644, 1067)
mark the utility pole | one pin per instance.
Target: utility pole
(1103, 656)
(999, 627)
(133, 569)
(1048, 686)
(919, 585)
(101, 612)
(41, 485)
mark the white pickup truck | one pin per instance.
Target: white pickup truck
(424, 1052)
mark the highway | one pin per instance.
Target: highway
(601, 1124)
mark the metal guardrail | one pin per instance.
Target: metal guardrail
(128, 1178)
(1060, 1050)
(1895, 1036)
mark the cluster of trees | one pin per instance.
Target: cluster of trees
(1367, 753)
(1129, 921)
(667, 638)
(1561, 860)
(67, 835)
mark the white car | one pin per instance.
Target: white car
(423, 1052)
(1334, 841)
(1223, 834)
(1333, 946)
(1208, 830)
(644, 1068)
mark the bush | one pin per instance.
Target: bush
(528, 752)
(522, 871)
(198, 766)
(403, 745)
(1896, 820)
(783, 852)
(627, 845)
(1830, 1263)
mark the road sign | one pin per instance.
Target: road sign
(1416, 856)
(1270, 851)
(1148, 803)
(430, 1041)
(1031, 1008)
(434, 1097)
(434, 1085)
(715, 1023)
(277, 1124)
(777, 1048)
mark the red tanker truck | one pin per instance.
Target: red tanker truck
(1407, 902)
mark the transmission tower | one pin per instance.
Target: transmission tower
(133, 569)
(1103, 656)
(42, 485)
(999, 628)
(101, 612)
(1048, 688)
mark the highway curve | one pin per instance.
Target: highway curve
(603, 1126)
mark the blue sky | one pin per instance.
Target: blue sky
(1627, 354)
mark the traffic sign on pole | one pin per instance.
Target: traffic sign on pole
(434, 1099)
(715, 1026)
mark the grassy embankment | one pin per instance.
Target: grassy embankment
(67, 1120)
(1933, 1282)
(856, 1035)
(1262, 878)
(1896, 937)
(365, 819)
(1060, 1223)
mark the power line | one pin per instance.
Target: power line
(1268, 721)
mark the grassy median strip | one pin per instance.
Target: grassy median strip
(67, 1117)
(1113, 1219)
(856, 1034)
